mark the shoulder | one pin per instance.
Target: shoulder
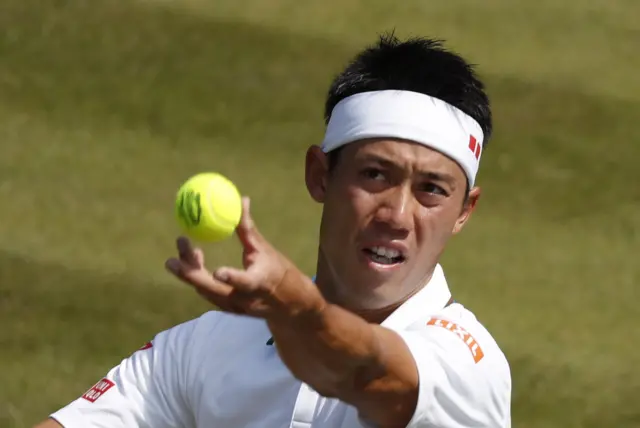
(216, 331)
(231, 327)
(197, 338)
(462, 370)
(213, 324)
(461, 330)
(216, 323)
(157, 384)
(468, 344)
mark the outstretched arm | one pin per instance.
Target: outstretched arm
(334, 351)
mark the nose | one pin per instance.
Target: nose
(395, 209)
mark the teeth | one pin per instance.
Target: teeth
(386, 252)
(382, 260)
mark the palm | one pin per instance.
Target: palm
(269, 286)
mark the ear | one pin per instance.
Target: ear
(316, 172)
(467, 209)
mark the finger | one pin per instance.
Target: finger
(222, 303)
(199, 255)
(201, 279)
(236, 302)
(189, 255)
(246, 230)
(241, 280)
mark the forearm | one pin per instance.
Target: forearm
(341, 355)
(327, 351)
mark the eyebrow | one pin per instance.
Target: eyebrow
(429, 175)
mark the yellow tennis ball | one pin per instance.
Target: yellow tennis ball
(208, 207)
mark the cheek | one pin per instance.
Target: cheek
(362, 204)
(435, 225)
(347, 209)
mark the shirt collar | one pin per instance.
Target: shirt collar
(433, 297)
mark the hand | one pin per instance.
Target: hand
(268, 287)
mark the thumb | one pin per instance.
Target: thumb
(246, 230)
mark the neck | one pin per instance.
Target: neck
(377, 316)
(330, 288)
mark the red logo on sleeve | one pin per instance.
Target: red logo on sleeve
(146, 346)
(476, 350)
(98, 390)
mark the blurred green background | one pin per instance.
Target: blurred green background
(106, 106)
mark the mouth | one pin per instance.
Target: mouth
(384, 256)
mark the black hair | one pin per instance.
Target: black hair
(420, 65)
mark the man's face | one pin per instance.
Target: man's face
(389, 209)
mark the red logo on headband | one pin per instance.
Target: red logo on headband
(474, 146)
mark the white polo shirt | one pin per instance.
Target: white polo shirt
(217, 371)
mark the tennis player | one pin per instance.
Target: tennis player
(375, 339)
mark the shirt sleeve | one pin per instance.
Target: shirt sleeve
(464, 377)
(147, 389)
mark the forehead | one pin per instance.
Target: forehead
(403, 153)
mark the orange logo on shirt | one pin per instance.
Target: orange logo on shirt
(476, 350)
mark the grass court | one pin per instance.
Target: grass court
(107, 106)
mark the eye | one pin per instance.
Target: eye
(372, 174)
(433, 189)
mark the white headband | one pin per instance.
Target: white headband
(409, 116)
